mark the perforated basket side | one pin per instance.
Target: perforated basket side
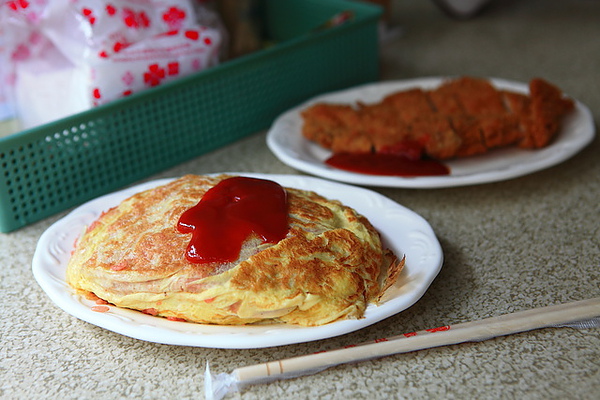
(59, 165)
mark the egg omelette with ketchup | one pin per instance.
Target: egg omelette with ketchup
(225, 267)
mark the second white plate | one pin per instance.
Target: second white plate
(287, 143)
(402, 230)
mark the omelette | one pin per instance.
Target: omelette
(326, 263)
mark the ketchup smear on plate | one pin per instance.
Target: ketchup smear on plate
(229, 213)
(402, 159)
(386, 164)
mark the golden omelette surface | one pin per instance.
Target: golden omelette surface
(330, 265)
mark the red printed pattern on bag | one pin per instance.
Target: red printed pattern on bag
(89, 15)
(193, 35)
(22, 52)
(154, 75)
(128, 78)
(169, 33)
(110, 9)
(135, 20)
(173, 68)
(174, 17)
(16, 5)
(96, 95)
(118, 46)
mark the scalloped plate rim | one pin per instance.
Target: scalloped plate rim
(286, 142)
(48, 269)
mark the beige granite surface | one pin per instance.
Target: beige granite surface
(527, 242)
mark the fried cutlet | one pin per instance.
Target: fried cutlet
(462, 117)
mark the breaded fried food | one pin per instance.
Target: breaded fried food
(329, 266)
(462, 117)
(548, 105)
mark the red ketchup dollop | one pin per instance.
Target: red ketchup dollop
(229, 213)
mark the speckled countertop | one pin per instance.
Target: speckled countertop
(526, 242)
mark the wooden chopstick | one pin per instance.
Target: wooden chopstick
(465, 332)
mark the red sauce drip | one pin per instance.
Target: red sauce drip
(387, 164)
(228, 213)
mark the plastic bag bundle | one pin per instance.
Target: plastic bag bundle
(66, 56)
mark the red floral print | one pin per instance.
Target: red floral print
(194, 35)
(18, 4)
(128, 78)
(169, 33)
(154, 75)
(135, 20)
(173, 68)
(110, 9)
(118, 46)
(174, 17)
(21, 53)
(89, 15)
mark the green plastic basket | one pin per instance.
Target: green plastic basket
(50, 168)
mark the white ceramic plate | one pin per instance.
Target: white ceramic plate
(402, 230)
(287, 143)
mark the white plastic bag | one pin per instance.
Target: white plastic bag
(66, 56)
